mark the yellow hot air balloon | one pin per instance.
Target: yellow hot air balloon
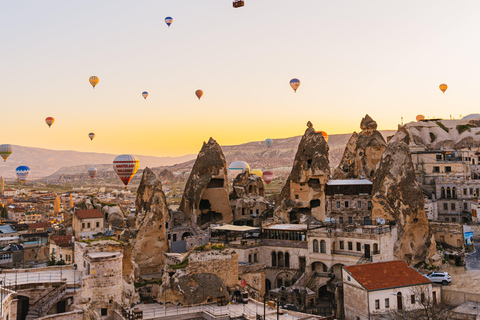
(443, 87)
(257, 172)
(93, 81)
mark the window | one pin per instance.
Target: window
(359, 204)
(255, 257)
(174, 237)
(346, 204)
(454, 219)
(359, 246)
(287, 260)
(377, 304)
(465, 192)
(369, 205)
(338, 204)
(449, 193)
(83, 225)
(471, 191)
(350, 245)
(452, 206)
(296, 196)
(465, 206)
(448, 169)
(340, 220)
(88, 225)
(103, 311)
(412, 299)
(342, 245)
(446, 219)
(442, 192)
(445, 206)
(98, 224)
(350, 220)
(315, 245)
(436, 169)
(422, 298)
(274, 259)
(434, 297)
(323, 246)
(387, 303)
(249, 258)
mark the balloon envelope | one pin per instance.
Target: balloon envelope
(324, 134)
(91, 135)
(443, 87)
(22, 173)
(420, 117)
(5, 151)
(92, 171)
(49, 121)
(267, 176)
(145, 94)
(295, 83)
(269, 142)
(199, 93)
(125, 167)
(237, 167)
(257, 172)
(168, 21)
(93, 81)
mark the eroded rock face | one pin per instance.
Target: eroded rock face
(362, 153)
(150, 241)
(304, 190)
(206, 196)
(398, 197)
(115, 216)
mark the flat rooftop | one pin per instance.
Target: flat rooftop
(287, 227)
(95, 255)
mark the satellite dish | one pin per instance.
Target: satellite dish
(377, 219)
(327, 220)
(382, 221)
(332, 220)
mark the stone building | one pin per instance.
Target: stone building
(8, 303)
(61, 248)
(447, 233)
(87, 222)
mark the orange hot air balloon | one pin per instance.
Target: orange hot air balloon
(93, 81)
(199, 93)
(267, 176)
(324, 134)
(443, 87)
(49, 121)
(420, 117)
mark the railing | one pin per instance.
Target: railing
(347, 253)
(27, 278)
(48, 300)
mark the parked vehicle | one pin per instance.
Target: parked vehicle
(439, 277)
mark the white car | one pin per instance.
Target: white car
(439, 277)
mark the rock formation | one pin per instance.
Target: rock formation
(114, 216)
(362, 153)
(397, 197)
(150, 241)
(304, 191)
(206, 197)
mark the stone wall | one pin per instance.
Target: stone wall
(254, 276)
(72, 315)
(223, 263)
(449, 233)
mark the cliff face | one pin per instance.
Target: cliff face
(205, 199)
(152, 213)
(362, 153)
(303, 193)
(397, 196)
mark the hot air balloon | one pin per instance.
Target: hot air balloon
(168, 21)
(92, 171)
(5, 151)
(125, 167)
(420, 117)
(267, 176)
(93, 81)
(324, 134)
(257, 172)
(49, 121)
(295, 83)
(145, 94)
(91, 135)
(443, 87)
(199, 93)
(269, 142)
(22, 173)
(237, 167)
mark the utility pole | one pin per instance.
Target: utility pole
(264, 304)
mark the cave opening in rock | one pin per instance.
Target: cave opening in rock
(210, 217)
(215, 183)
(314, 183)
(315, 203)
(204, 205)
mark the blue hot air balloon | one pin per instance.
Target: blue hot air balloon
(22, 173)
(295, 83)
(168, 21)
(269, 142)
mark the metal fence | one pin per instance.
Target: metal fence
(15, 279)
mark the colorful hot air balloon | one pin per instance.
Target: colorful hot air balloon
(267, 176)
(22, 173)
(269, 142)
(295, 83)
(237, 167)
(199, 93)
(92, 171)
(93, 81)
(91, 135)
(420, 117)
(5, 151)
(324, 134)
(443, 87)
(49, 121)
(145, 94)
(125, 167)
(168, 21)
(257, 172)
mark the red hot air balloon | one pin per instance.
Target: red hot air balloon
(267, 176)
(199, 93)
(125, 167)
(49, 121)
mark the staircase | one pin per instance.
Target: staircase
(363, 260)
(42, 305)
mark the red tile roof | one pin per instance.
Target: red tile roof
(385, 275)
(88, 214)
(62, 241)
(38, 225)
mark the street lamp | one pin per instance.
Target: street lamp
(403, 304)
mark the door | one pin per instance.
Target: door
(399, 301)
(302, 263)
(367, 251)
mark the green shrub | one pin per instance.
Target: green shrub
(442, 126)
(464, 127)
(180, 265)
(432, 137)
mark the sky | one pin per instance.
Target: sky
(384, 58)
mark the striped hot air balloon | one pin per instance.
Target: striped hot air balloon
(5, 151)
(295, 83)
(93, 81)
(168, 21)
(237, 167)
(49, 121)
(91, 135)
(92, 171)
(22, 173)
(125, 167)
(267, 176)
(443, 87)
(145, 94)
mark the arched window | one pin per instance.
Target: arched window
(274, 259)
(315, 245)
(449, 193)
(281, 262)
(454, 193)
(375, 248)
(287, 260)
(442, 192)
(323, 246)
(268, 285)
